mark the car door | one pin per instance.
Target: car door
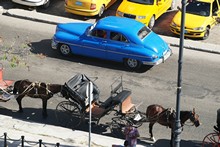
(162, 6)
(118, 47)
(94, 44)
(215, 11)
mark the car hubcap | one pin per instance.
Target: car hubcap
(64, 49)
(132, 63)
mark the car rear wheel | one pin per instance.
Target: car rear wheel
(64, 49)
(132, 64)
(46, 5)
(206, 34)
(101, 11)
(151, 22)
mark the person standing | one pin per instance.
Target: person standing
(131, 135)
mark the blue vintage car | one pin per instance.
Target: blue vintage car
(112, 38)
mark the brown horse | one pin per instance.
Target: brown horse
(35, 90)
(166, 117)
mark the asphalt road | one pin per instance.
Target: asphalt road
(31, 40)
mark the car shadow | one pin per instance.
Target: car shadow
(162, 24)
(43, 48)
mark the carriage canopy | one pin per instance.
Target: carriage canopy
(78, 85)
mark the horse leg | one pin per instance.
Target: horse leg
(44, 112)
(18, 99)
(151, 131)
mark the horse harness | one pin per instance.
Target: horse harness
(169, 112)
(35, 86)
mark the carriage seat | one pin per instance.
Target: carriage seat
(115, 100)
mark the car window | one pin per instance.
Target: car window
(99, 33)
(198, 8)
(143, 32)
(146, 2)
(214, 7)
(118, 37)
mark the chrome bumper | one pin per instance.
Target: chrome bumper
(161, 60)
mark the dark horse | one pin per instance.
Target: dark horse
(35, 90)
(166, 117)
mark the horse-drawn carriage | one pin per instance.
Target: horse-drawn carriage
(76, 107)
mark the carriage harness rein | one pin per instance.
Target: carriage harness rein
(35, 85)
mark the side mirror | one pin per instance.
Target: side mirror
(159, 2)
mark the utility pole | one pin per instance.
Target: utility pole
(177, 129)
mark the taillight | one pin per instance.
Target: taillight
(93, 6)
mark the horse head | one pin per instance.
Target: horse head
(194, 118)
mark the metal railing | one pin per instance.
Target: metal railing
(23, 142)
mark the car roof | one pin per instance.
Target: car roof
(120, 24)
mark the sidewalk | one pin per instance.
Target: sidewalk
(42, 17)
(50, 135)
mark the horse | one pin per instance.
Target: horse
(166, 117)
(44, 91)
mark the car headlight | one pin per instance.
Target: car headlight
(120, 13)
(198, 28)
(154, 56)
(141, 17)
(173, 24)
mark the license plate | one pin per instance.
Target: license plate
(78, 3)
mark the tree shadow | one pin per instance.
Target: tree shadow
(43, 48)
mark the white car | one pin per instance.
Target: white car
(33, 3)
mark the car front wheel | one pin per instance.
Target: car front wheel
(132, 63)
(206, 34)
(64, 49)
(152, 22)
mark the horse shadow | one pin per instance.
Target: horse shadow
(35, 115)
(185, 143)
(43, 49)
(30, 115)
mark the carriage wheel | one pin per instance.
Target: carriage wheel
(117, 126)
(69, 114)
(211, 140)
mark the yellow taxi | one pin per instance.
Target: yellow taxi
(145, 11)
(87, 7)
(200, 17)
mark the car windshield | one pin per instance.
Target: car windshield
(145, 2)
(198, 8)
(143, 32)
